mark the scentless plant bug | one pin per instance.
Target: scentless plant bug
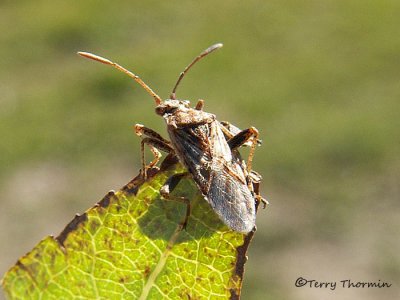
(209, 151)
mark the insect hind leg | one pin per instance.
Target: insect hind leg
(167, 189)
(255, 180)
(242, 138)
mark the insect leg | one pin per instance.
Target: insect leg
(231, 130)
(262, 200)
(228, 130)
(141, 130)
(169, 186)
(156, 142)
(255, 180)
(241, 138)
(154, 145)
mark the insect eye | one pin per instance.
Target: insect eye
(162, 110)
(171, 109)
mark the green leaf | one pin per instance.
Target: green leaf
(130, 246)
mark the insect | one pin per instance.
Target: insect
(209, 151)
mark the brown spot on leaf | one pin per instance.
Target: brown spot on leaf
(105, 202)
(73, 225)
(94, 225)
(108, 242)
(146, 272)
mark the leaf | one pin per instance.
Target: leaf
(130, 246)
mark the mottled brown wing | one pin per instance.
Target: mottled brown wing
(204, 151)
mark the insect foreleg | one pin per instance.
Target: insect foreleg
(156, 142)
(169, 186)
(141, 130)
(154, 145)
(241, 138)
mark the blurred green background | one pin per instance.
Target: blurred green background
(319, 79)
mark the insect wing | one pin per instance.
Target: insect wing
(193, 150)
(232, 201)
(204, 151)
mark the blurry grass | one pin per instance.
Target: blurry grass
(319, 79)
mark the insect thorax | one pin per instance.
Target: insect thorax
(178, 113)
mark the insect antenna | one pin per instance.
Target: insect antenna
(200, 56)
(122, 69)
